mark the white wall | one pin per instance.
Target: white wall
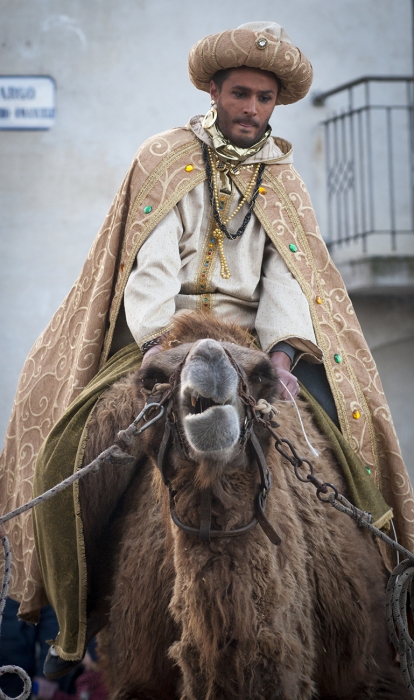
(388, 325)
(121, 76)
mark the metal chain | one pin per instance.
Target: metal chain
(113, 455)
(401, 581)
(216, 214)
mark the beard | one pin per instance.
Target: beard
(229, 126)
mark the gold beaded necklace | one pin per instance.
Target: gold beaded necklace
(218, 232)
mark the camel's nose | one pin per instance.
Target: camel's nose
(208, 372)
(209, 350)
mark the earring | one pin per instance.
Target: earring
(211, 116)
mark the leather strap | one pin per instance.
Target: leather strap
(268, 529)
(213, 533)
(166, 443)
(261, 498)
(265, 480)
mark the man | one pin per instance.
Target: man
(243, 100)
(214, 217)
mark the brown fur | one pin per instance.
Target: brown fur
(238, 618)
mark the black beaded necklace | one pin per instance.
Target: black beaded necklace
(216, 214)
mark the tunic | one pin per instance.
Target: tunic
(178, 269)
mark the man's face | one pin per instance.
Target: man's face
(245, 104)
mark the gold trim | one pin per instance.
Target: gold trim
(82, 568)
(201, 260)
(374, 446)
(154, 335)
(273, 58)
(384, 519)
(83, 576)
(288, 205)
(288, 338)
(205, 306)
(289, 259)
(158, 215)
(168, 160)
(213, 53)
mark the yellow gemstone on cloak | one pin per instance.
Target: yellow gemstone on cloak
(356, 414)
(189, 168)
(262, 190)
(319, 300)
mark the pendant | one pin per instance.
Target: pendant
(210, 118)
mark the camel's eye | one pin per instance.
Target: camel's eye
(263, 373)
(262, 380)
(160, 367)
(147, 378)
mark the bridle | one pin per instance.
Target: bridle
(172, 436)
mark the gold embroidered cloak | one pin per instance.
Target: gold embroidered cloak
(78, 339)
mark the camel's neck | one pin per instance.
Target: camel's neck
(233, 488)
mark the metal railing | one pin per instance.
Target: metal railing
(370, 160)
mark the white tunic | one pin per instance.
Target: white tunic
(178, 269)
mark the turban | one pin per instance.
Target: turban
(262, 45)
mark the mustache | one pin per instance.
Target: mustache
(251, 122)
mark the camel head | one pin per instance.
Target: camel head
(212, 355)
(210, 408)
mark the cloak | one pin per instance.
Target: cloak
(78, 340)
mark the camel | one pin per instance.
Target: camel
(237, 617)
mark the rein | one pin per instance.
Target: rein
(172, 436)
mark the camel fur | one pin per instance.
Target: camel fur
(234, 618)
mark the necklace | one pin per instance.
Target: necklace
(221, 231)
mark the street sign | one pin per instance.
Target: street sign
(27, 102)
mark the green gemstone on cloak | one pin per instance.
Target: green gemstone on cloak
(337, 358)
(148, 209)
(368, 470)
(293, 248)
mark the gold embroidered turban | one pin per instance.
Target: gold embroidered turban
(263, 45)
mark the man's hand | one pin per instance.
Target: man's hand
(281, 363)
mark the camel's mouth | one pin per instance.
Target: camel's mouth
(209, 401)
(211, 428)
(214, 431)
(199, 404)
